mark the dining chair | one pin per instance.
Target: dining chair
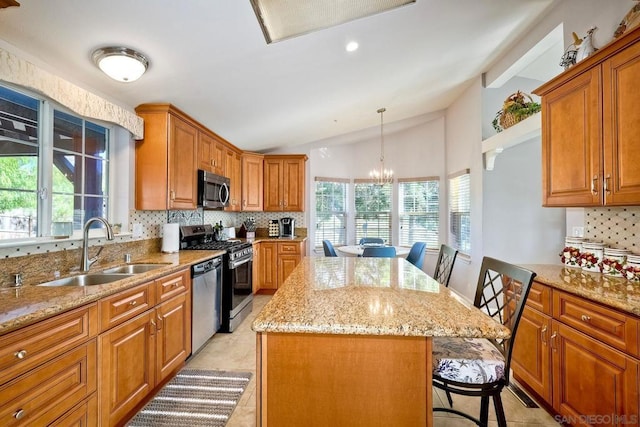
(416, 254)
(444, 264)
(380, 252)
(328, 248)
(371, 240)
(479, 366)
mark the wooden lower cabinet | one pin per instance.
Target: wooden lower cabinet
(531, 360)
(563, 354)
(591, 378)
(127, 367)
(83, 415)
(140, 354)
(276, 261)
(47, 392)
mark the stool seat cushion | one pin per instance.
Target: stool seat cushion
(467, 360)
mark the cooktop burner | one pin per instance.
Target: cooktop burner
(200, 237)
(219, 245)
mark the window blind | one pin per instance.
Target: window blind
(331, 211)
(419, 211)
(459, 211)
(373, 210)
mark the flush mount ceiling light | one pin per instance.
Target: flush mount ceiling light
(121, 63)
(283, 19)
(351, 46)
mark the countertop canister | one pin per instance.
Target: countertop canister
(570, 255)
(632, 267)
(591, 256)
(613, 261)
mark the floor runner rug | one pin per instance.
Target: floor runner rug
(194, 398)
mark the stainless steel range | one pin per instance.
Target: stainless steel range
(237, 279)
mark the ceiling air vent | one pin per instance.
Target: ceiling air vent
(283, 19)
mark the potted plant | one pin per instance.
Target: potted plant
(515, 109)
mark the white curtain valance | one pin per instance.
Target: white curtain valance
(16, 70)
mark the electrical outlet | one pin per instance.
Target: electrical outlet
(137, 230)
(578, 231)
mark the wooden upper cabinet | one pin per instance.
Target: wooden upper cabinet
(206, 149)
(252, 183)
(166, 160)
(590, 119)
(284, 183)
(621, 112)
(233, 171)
(571, 148)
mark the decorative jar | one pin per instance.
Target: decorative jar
(591, 256)
(632, 268)
(613, 261)
(570, 255)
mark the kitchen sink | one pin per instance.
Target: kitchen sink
(134, 268)
(87, 280)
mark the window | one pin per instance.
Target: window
(373, 210)
(419, 211)
(331, 211)
(52, 174)
(459, 207)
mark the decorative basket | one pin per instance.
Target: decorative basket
(515, 109)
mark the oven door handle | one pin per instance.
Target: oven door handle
(235, 264)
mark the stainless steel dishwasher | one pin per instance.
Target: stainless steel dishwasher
(206, 305)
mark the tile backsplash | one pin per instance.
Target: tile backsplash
(616, 226)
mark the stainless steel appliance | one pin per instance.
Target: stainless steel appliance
(213, 190)
(287, 227)
(206, 305)
(237, 267)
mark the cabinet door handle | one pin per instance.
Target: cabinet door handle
(159, 322)
(606, 183)
(594, 181)
(153, 327)
(172, 195)
(21, 354)
(19, 414)
(585, 318)
(553, 339)
(543, 334)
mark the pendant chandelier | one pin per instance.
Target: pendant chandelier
(381, 175)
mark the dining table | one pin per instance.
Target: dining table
(356, 250)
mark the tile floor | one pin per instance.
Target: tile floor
(237, 352)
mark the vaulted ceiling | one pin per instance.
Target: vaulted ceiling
(210, 59)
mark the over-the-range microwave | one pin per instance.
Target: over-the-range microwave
(213, 190)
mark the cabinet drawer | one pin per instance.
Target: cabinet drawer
(540, 298)
(289, 248)
(28, 347)
(172, 285)
(83, 415)
(602, 323)
(125, 305)
(47, 392)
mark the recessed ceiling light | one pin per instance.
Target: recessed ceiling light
(351, 46)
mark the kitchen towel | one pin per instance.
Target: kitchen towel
(171, 237)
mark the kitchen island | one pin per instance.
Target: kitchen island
(347, 342)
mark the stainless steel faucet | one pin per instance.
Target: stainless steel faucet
(86, 262)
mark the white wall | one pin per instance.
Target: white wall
(413, 151)
(463, 151)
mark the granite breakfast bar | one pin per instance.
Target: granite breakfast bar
(347, 341)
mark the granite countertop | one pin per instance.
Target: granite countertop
(28, 304)
(370, 296)
(615, 292)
